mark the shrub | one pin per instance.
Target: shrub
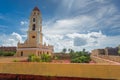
(42, 58)
(80, 57)
(46, 58)
(15, 60)
(33, 58)
(3, 53)
(8, 53)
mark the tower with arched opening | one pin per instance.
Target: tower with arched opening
(34, 42)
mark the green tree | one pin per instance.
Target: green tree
(8, 53)
(71, 50)
(119, 50)
(42, 58)
(1, 53)
(33, 58)
(64, 50)
(4, 53)
(45, 58)
(72, 55)
(84, 50)
(80, 57)
(56, 57)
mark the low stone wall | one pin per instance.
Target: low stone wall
(101, 71)
(110, 57)
(98, 59)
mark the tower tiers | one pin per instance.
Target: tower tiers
(34, 41)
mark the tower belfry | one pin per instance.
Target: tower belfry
(35, 28)
(34, 42)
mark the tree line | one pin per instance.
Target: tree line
(7, 53)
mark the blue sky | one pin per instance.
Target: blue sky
(75, 24)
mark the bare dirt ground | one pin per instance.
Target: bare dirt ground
(12, 59)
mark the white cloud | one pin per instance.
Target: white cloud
(68, 8)
(72, 22)
(24, 26)
(71, 25)
(89, 41)
(103, 1)
(100, 17)
(81, 17)
(17, 36)
(79, 41)
(24, 23)
(10, 40)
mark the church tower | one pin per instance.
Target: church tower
(35, 35)
(34, 42)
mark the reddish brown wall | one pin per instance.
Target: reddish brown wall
(8, 49)
(35, 77)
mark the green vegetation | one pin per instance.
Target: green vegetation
(42, 58)
(80, 57)
(71, 50)
(64, 50)
(119, 50)
(3, 53)
(56, 57)
(34, 58)
(15, 60)
(46, 58)
(75, 57)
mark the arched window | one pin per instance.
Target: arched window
(21, 53)
(33, 28)
(33, 19)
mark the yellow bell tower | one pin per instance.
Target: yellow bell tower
(35, 35)
(34, 42)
